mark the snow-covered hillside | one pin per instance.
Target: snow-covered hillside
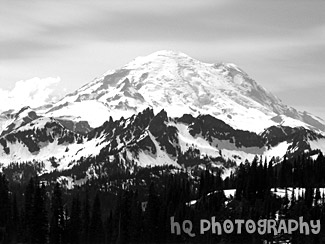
(161, 109)
(149, 139)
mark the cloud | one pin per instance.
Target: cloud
(33, 92)
(280, 44)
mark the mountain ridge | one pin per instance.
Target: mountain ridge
(161, 109)
(148, 139)
(178, 83)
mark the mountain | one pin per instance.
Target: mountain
(163, 109)
(11, 120)
(180, 84)
(149, 139)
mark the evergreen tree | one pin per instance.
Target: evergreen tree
(15, 220)
(109, 228)
(75, 221)
(152, 214)
(57, 217)
(4, 208)
(124, 216)
(85, 220)
(39, 233)
(135, 222)
(96, 232)
(28, 213)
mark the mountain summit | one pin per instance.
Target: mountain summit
(179, 84)
(165, 108)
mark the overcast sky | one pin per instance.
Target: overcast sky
(65, 43)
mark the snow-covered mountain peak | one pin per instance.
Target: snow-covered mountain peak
(161, 59)
(167, 54)
(180, 84)
(173, 106)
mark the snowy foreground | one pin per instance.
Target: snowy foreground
(280, 192)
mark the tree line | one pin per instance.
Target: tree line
(139, 206)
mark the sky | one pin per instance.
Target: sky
(50, 48)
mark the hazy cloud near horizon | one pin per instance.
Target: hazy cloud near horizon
(281, 44)
(34, 92)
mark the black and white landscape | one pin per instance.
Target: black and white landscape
(162, 124)
(155, 109)
(166, 137)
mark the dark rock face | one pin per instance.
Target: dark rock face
(298, 136)
(33, 138)
(133, 134)
(149, 133)
(210, 128)
(167, 136)
(80, 127)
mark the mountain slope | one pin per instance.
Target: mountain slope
(180, 84)
(147, 139)
(162, 109)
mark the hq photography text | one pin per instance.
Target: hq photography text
(237, 226)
